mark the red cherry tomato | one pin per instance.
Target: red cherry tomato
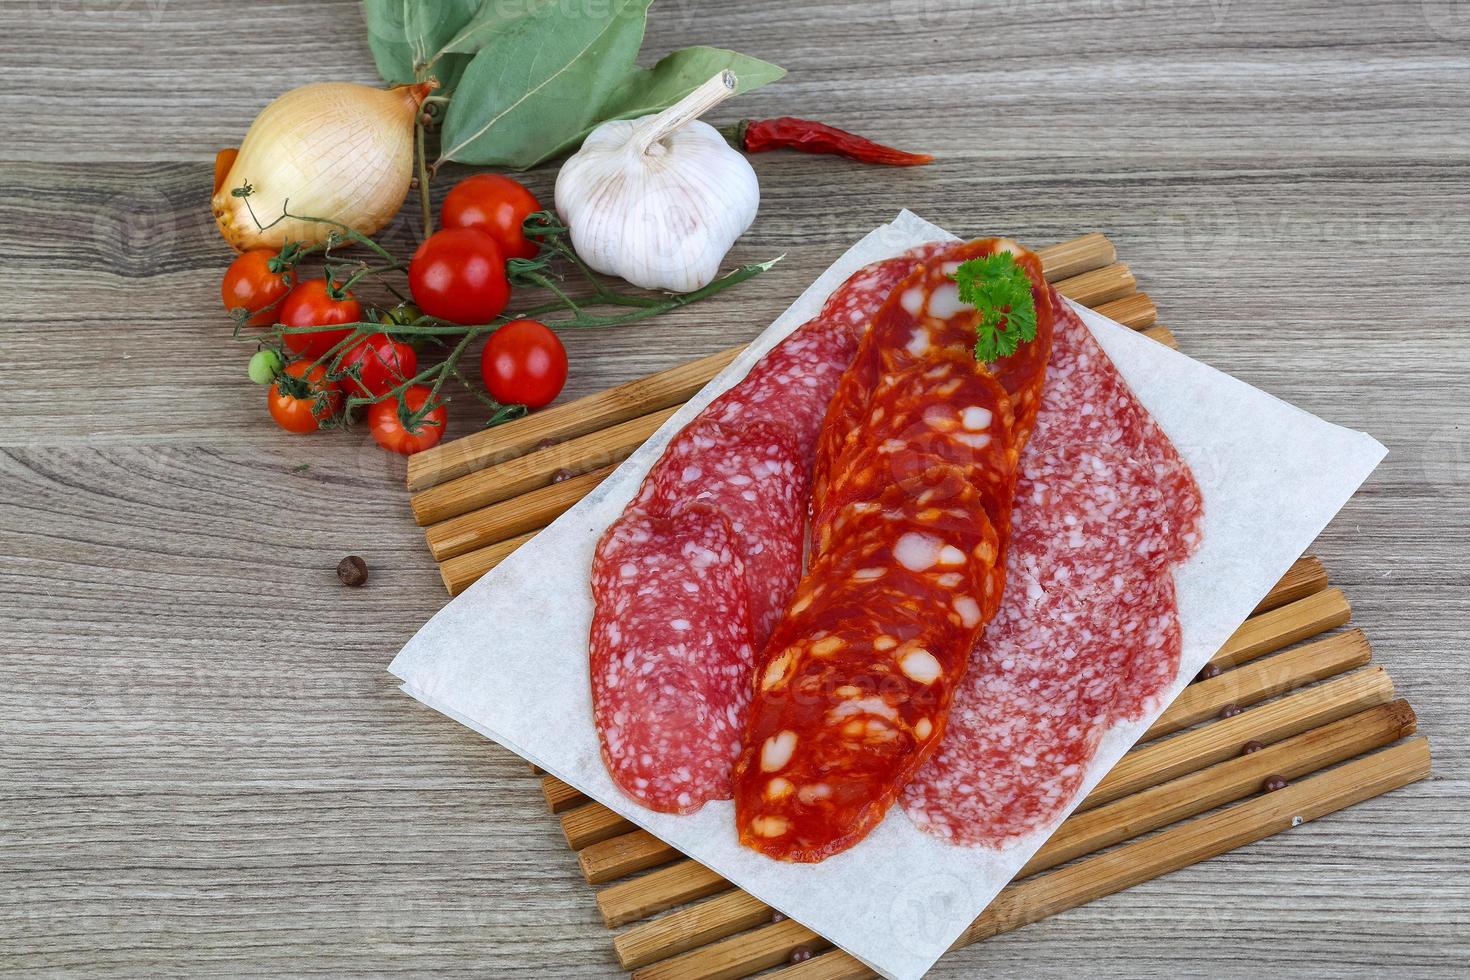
(458, 274)
(390, 431)
(249, 284)
(303, 405)
(312, 304)
(382, 364)
(524, 361)
(497, 206)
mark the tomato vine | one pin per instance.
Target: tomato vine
(597, 303)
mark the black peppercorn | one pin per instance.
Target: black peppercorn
(352, 570)
(1273, 783)
(1251, 746)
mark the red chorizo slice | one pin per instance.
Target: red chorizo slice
(939, 411)
(670, 656)
(854, 687)
(744, 462)
(924, 319)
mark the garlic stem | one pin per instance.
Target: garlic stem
(681, 113)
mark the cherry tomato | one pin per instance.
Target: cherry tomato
(249, 284)
(382, 363)
(524, 361)
(390, 431)
(497, 206)
(458, 274)
(302, 406)
(312, 304)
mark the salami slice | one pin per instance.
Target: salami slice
(1050, 670)
(670, 655)
(791, 385)
(755, 476)
(1088, 630)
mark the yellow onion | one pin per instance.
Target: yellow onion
(332, 150)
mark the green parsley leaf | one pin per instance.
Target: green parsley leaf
(1000, 290)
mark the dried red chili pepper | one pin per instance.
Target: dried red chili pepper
(809, 136)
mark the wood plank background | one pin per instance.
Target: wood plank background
(204, 766)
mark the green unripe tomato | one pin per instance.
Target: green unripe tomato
(264, 367)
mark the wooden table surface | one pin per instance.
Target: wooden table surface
(203, 763)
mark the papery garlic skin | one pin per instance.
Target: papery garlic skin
(661, 219)
(333, 150)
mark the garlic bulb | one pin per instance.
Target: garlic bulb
(333, 150)
(659, 200)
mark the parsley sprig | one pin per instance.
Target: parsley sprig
(1000, 290)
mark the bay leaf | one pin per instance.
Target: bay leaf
(539, 81)
(404, 35)
(647, 90)
(494, 16)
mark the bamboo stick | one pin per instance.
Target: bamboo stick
(1161, 334)
(1091, 289)
(624, 902)
(1284, 717)
(535, 470)
(1082, 834)
(1137, 311)
(623, 855)
(1262, 679)
(1285, 625)
(509, 518)
(463, 571)
(1140, 769)
(592, 823)
(559, 795)
(1307, 576)
(1067, 259)
(1106, 874)
(591, 413)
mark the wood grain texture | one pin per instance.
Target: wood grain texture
(204, 766)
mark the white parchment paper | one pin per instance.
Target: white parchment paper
(508, 657)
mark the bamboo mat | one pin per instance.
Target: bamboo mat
(1290, 721)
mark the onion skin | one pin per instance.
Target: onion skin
(335, 150)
